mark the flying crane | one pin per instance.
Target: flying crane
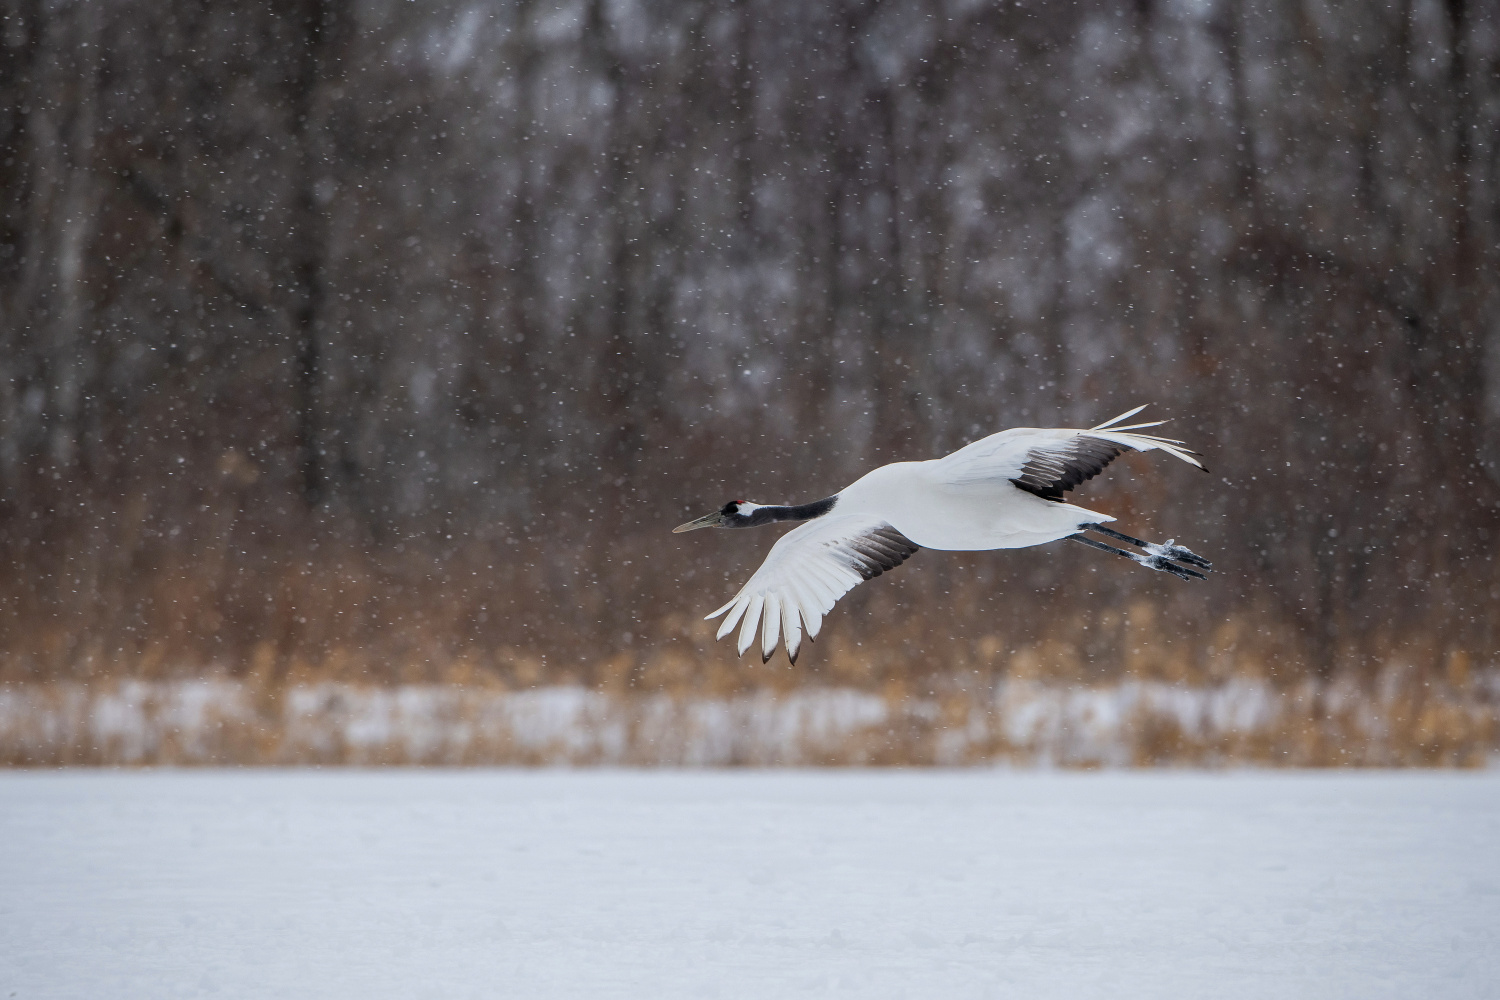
(1005, 491)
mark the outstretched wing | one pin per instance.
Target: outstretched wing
(1048, 462)
(805, 573)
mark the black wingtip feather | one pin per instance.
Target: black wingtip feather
(1050, 475)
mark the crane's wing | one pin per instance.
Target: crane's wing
(806, 572)
(1048, 462)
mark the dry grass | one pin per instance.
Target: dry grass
(212, 655)
(1143, 723)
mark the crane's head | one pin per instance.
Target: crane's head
(734, 514)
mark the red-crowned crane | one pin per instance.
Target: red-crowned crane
(1001, 492)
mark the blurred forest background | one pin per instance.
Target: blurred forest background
(348, 345)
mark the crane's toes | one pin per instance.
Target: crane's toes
(1163, 564)
(1179, 553)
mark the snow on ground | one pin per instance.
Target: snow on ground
(221, 721)
(539, 884)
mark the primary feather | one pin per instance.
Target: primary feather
(806, 572)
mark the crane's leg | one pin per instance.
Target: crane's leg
(1166, 549)
(1156, 562)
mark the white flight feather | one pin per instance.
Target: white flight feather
(1002, 456)
(803, 576)
(770, 632)
(752, 619)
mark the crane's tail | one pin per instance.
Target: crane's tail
(1123, 434)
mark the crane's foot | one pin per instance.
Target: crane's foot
(1182, 555)
(1168, 548)
(1167, 557)
(1165, 565)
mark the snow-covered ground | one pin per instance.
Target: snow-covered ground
(764, 884)
(1399, 720)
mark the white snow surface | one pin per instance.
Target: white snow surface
(218, 721)
(764, 884)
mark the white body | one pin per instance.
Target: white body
(923, 502)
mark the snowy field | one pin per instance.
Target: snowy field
(1400, 720)
(765, 884)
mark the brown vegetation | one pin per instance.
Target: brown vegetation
(956, 722)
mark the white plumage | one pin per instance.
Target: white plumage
(1004, 491)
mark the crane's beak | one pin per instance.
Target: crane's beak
(714, 520)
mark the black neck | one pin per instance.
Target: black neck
(800, 512)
